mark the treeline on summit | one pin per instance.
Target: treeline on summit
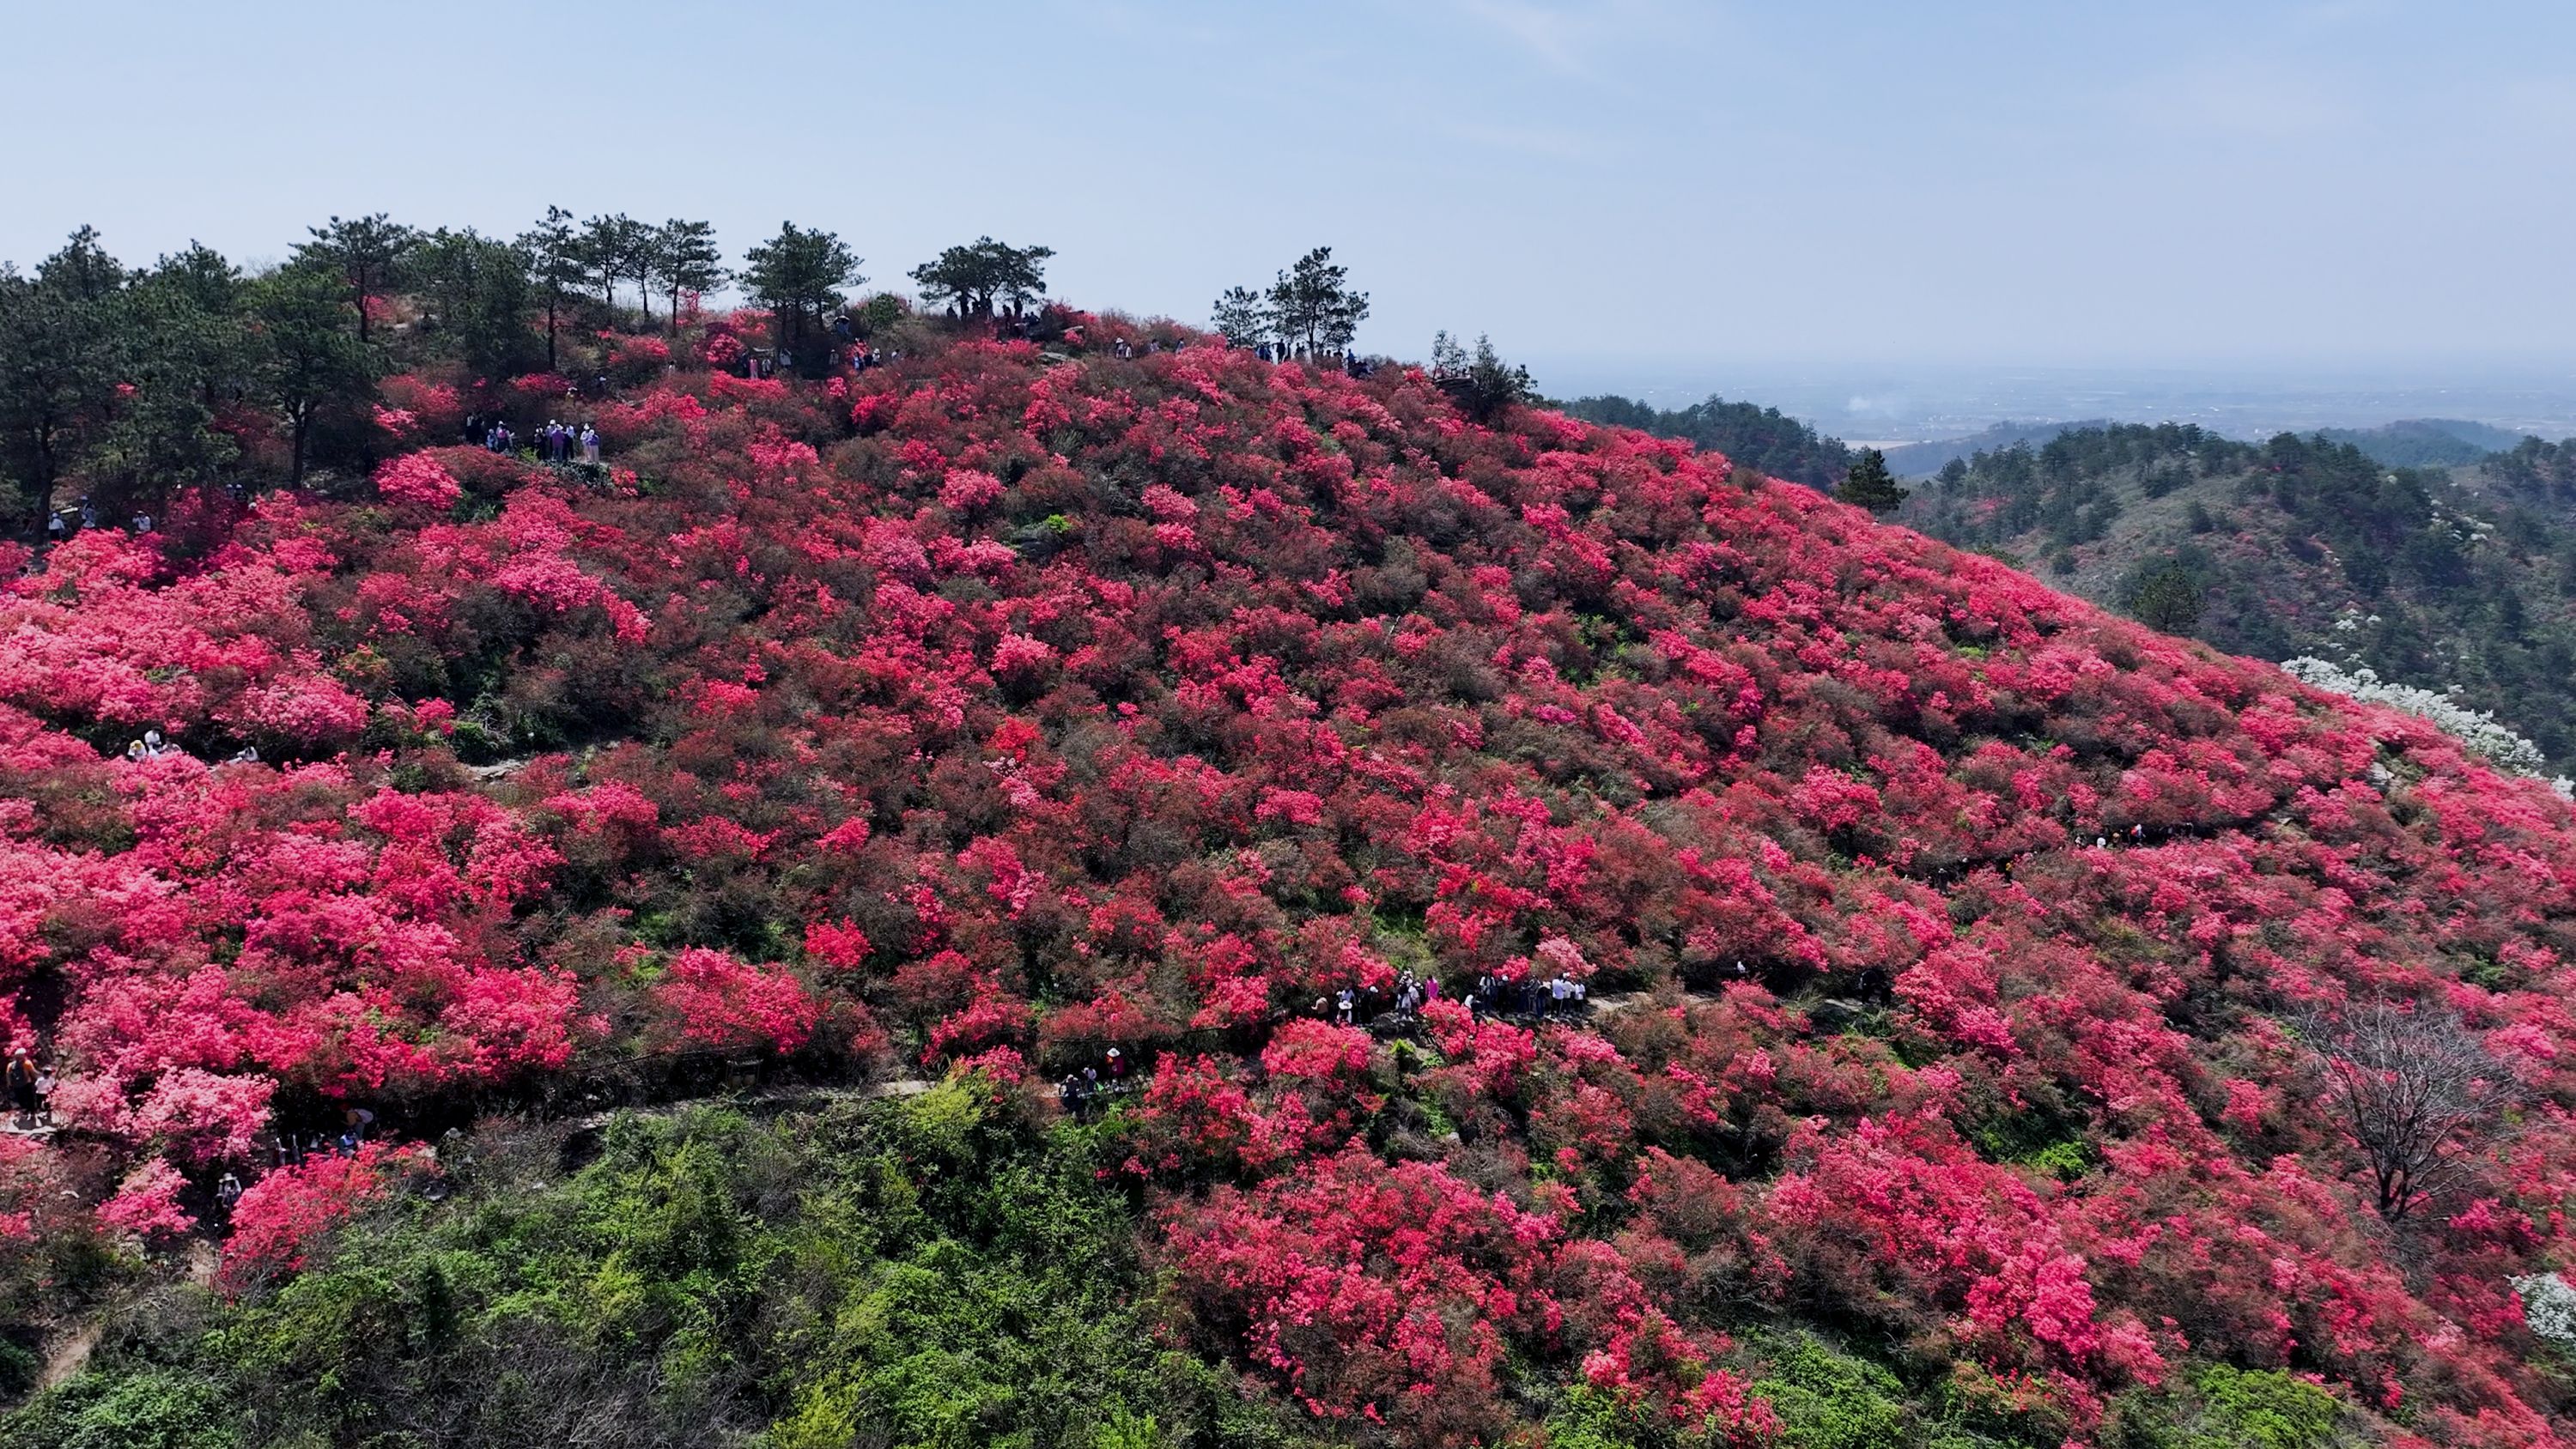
(123, 387)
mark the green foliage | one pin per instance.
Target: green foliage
(148, 1409)
(1593, 1419)
(982, 273)
(309, 361)
(1481, 383)
(1764, 439)
(1830, 1400)
(365, 252)
(939, 1271)
(1313, 303)
(684, 257)
(1242, 315)
(798, 275)
(2229, 1408)
(2165, 594)
(478, 297)
(1870, 485)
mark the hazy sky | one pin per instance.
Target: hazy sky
(1802, 181)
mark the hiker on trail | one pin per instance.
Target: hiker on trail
(45, 1093)
(246, 755)
(1117, 1066)
(1343, 1006)
(134, 751)
(355, 1125)
(1122, 349)
(143, 523)
(54, 527)
(228, 1191)
(589, 443)
(88, 512)
(21, 1081)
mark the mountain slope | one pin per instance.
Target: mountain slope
(2299, 546)
(1949, 944)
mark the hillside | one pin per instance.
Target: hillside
(2301, 546)
(1968, 969)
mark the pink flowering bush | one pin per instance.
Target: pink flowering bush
(278, 1218)
(146, 1204)
(417, 480)
(988, 711)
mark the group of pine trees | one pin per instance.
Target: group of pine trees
(125, 384)
(1311, 306)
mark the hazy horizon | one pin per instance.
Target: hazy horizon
(1889, 402)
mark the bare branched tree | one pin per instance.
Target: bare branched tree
(2418, 1092)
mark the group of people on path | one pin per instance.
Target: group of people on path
(1345, 359)
(29, 1080)
(62, 523)
(1557, 996)
(1358, 1006)
(1080, 1091)
(153, 747)
(556, 442)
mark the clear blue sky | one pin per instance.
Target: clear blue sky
(1808, 180)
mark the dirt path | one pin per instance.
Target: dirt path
(776, 1099)
(66, 1353)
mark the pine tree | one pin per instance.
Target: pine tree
(686, 259)
(555, 265)
(798, 275)
(1242, 315)
(1870, 485)
(1312, 302)
(982, 273)
(366, 250)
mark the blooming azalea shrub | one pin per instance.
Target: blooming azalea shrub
(416, 479)
(146, 1204)
(278, 1218)
(1947, 941)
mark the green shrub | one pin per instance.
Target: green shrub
(1830, 1400)
(944, 1270)
(2263, 1409)
(2227, 1408)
